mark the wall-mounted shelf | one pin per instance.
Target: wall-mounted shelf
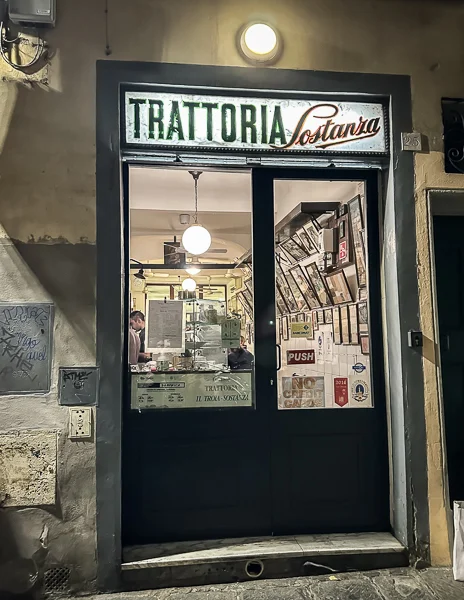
(295, 220)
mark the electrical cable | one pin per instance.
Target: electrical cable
(40, 47)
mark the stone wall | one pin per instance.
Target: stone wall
(47, 188)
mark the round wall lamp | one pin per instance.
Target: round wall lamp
(260, 43)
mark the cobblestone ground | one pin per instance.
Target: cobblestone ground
(396, 584)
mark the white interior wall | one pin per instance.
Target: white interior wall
(344, 356)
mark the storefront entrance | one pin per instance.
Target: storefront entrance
(297, 442)
(305, 449)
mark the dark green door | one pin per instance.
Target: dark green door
(449, 260)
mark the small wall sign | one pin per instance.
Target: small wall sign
(341, 391)
(79, 386)
(191, 390)
(26, 334)
(300, 330)
(301, 357)
(342, 251)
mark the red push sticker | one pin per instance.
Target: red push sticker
(301, 357)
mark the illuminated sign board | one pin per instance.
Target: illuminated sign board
(190, 121)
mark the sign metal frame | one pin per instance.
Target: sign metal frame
(128, 145)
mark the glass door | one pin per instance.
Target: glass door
(196, 458)
(318, 294)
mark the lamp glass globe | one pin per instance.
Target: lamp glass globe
(196, 239)
(193, 270)
(189, 285)
(260, 38)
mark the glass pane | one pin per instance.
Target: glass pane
(192, 305)
(157, 292)
(322, 295)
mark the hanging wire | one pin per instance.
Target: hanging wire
(196, 177)
(20, 41)
(108, 49)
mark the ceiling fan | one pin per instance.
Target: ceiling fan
(207, 291)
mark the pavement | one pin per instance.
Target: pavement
(393, 584)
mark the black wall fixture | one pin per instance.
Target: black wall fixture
(453, 134)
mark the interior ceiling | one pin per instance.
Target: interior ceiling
(167, 223)
(157, 196)
(152, 188)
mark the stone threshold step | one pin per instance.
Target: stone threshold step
(264, 548)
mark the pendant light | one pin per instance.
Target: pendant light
(196, 238)
(189, 285)
(193, 269)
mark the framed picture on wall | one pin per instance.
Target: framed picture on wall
(342, 210)
(362, 235)
(312, 229)
(249, 330)
(281, 257)
(246, 270)
(243, 303)
(293, 248)
(336, 326)
(280, 301)
(314, 320)
(301, 318)
(354, 329)
(365, 344)
(344, 256)
(279, 331)
(362, 293)
(248, 298)
(345, 320)
(328, 316)
(319, 285)
(338, 287)
(305, 287)
(287, 294)
(285, 327)
(297, 292)
(341, 230)
(306, 242)
(320, 317)
(363, 318)
(357, 225)
(309, 320)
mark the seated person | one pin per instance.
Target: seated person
(240, 359)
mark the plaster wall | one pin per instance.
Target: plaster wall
(47, 186)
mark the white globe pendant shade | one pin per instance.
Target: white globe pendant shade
(196, 240)
(193, 270)
(189, 285)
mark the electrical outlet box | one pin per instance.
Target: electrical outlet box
(327, 240)
(32, 13)
(80, 423)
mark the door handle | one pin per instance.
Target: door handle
(279, 357)
(445, 342)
